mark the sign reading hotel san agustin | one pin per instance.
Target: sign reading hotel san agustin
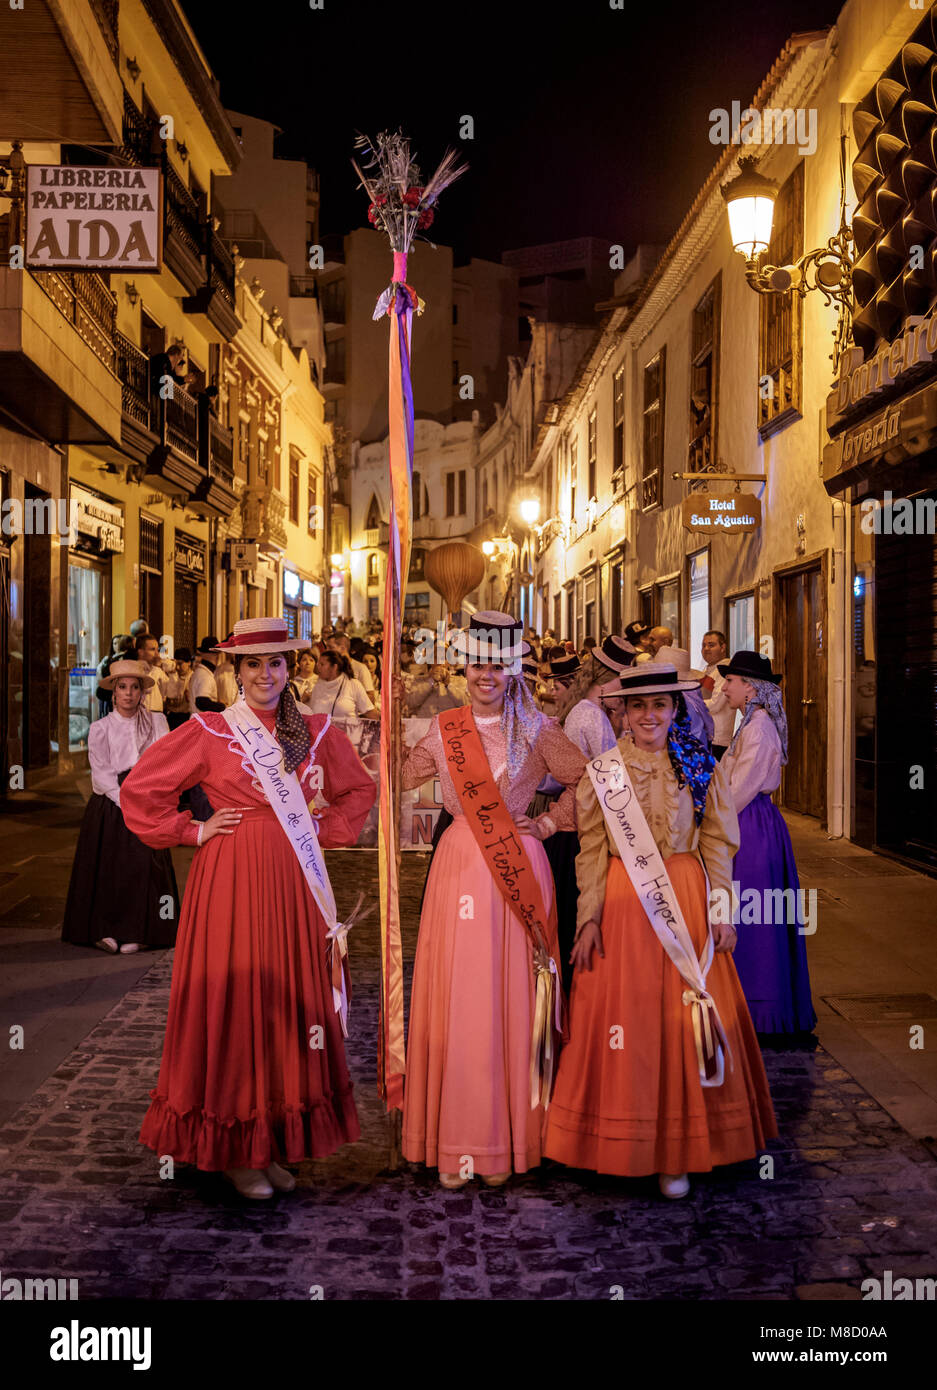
(739, 511)
(92, 218)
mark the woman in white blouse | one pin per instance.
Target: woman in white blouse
(337, 693)
(122, 894)
(771, 955)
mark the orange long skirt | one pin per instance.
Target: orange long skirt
(467, 1094)
(628, 1098)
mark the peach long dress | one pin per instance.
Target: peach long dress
(467, 1095)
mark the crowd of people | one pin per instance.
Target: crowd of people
(600, 803)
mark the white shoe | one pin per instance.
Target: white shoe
(250, 1182)
(673, 1185)
(129, 947)
(280, 1178)
(107, 943)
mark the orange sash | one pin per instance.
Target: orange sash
(503, 851)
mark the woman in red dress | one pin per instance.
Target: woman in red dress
(253, 1067)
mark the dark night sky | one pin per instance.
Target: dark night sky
(588, 121)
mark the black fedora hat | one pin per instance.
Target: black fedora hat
(635, 631)
(751, 666)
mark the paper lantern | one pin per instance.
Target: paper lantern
(454, 570)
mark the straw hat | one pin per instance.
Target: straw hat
(253, 636)
(562, 665)
(137, 669)
(616, 653)
(491, 637)
(650, 678)
(680, 658)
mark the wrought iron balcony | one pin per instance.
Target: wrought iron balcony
(215, 494)
(85, 301)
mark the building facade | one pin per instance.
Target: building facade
(699, 399)
(135, 495)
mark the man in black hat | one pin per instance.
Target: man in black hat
(639, 635)
(202, 685)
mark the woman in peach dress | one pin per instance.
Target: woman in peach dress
(467, 1106)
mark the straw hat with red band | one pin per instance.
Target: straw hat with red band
(256, 636)
(138, 670)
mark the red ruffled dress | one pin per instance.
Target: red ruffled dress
(242, 1081)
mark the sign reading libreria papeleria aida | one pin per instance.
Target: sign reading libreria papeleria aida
(81, 218)
(739, 511)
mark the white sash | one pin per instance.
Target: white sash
(282, 789)
(648, 873)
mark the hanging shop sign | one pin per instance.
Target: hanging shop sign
(243, 555)
(897, 432)
(93, 516)
(190, 556)
(92, 218)
(860, 382)
(735, 511)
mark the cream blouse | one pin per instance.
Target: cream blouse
(754, 765)
(669, 811)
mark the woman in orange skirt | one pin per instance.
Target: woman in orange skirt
(630, 1097)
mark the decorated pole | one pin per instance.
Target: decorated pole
(402, 206)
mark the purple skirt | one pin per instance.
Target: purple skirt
(771, 955)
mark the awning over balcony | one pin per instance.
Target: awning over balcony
(60, 71)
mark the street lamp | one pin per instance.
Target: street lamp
(488, 548)
(530, 510)
(337, 560)
(750, 200)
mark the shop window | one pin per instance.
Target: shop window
(618, 427)
(780, 317)
(592, 438)
(456, 497)
(740, 632)
(652, 468)
(698, 586)
(573, 478)
(704, 380)
(313, 521)
(668, 607)
(294, 488)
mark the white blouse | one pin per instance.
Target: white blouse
(114, 745)
(588, 726)
(342, 698)
(754, 765)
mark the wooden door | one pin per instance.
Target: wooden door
(802, 653)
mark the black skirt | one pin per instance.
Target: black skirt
(119, 886)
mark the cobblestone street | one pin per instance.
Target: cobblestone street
(852, 1193)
